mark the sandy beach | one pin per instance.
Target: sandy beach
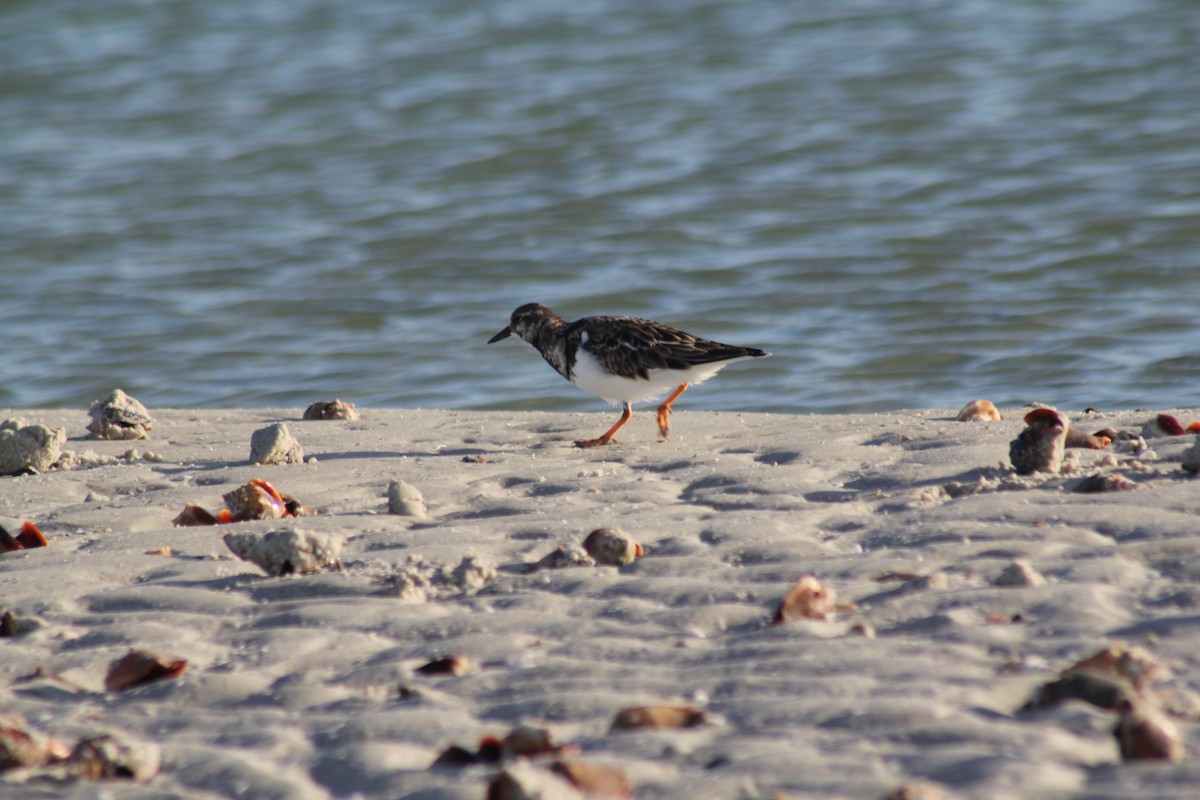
(307, 685)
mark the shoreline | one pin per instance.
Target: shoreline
(307, 685)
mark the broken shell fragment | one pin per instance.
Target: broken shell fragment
(1134, 665)
(1019, 573)
(523, 781)
(1039, 448)
(287, 552)
(255, 500)
(139, 667)
(594, 779)
(528, 742)
(29, 448)
(1097, 690)
(27, 538)
(331, 409)
(979, 411)
(119, 416)
(23, 746)
(658, 717)
(612, 546)
(12, 625)
(450, 665)
(1086, 441)
(1144, 733)
(807, 599)
(560, 557)
(275, 444)
(405, 500)
(917, 790)
(106, 756)
(1099, 483)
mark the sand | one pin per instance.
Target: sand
(305, 686)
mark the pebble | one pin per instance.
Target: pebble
(275, 444)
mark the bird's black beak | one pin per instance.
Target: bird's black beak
(504, 334)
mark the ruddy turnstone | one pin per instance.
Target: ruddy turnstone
(622, 359)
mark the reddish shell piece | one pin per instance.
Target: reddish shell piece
(657, 717)
(193, 514)
(594, 779)
(269, 489)
(1043, 415)
(30, 536)
(450, 665)
(224, 516)
(1194, 426)
(807, 599)
(1145, 734)
(8, 542)
(138, 667)
(1170, 425)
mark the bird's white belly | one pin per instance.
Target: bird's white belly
(590, 376)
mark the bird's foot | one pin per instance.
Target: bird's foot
(594, 442)
(664, 424)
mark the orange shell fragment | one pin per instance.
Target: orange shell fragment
(807, 599)
(139, 667)
(658, 717)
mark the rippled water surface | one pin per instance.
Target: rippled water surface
(910, 203)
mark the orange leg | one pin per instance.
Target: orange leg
(607, 436)
(664, 425)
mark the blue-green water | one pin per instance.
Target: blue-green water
(911, 204)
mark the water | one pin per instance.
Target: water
(910, 203)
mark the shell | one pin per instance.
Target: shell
(560, 557)
(658, 717)
(594, 779)
(1098, 483)
(119, 416)
(1144, 733)
(612, 546)
(1135, 665)
(1087, 441)
(450, 665)
(1097, 690)
(807, 599)
(916, 790)
(106, 756)
(1039, 448)
(1019, 573)
(529, 742)
(527, 782)
(23, 746)
(331, 409)
(139, 667)
(979, 411)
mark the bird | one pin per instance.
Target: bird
(623, 360)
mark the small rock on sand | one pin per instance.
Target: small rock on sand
(119, 416)
(287, 552)
(275, 444)
(406, 500)
(28, 448)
